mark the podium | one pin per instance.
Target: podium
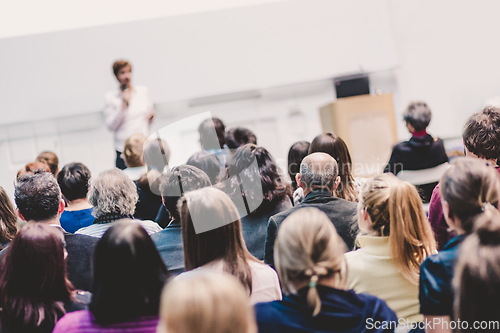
(367, 125)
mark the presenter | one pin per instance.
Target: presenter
(128, 110)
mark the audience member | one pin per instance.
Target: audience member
(8, 219)
(212, 139)
(296, 154)
(128, 277)
(466, 188)
(74, 181)
(334, 146)
(254, 176)
(128, 109)
(133, 154)
(30, 168)
(51, 160)
(239, 136)
(156, 153)
(319, 179)
(208, 163)
(38, 200)
(113, 196)
(422, 151)
(481, 136)
(222, 249)
(34, 289)
(177, 182)
(395, 238)
(206, 303)
(309, 258)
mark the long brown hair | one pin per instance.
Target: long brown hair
(222, 243)
(396, 211)
(334, 146)
(8, 218)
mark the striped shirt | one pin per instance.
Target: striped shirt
(97, 230)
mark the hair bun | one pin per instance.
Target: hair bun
(488, 229)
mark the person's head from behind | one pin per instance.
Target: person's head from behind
(308, 252)
(207, 162)
(390, 207)
(481, 134)
(38, 197)
(467, 185)
(417, 116)
(128, 274)
(33, 282)
(30, 168)
(210, 207)
(74, 181)
(112, 192)
(239, 136)
(180, 180)
(318, 171)
(334, 146)
(123, 72)
(156, 153)
(206, 303)
(133, 153)
(296, 154)
(212, 134)
(51, 160)
(8, 218)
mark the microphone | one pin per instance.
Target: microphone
(123, 87)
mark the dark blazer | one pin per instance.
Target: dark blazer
(169, 244)
(341, 212)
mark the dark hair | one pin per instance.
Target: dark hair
(206, 162)
(32, 167)
(333, 145)
(33, 281)
(206, 130)
(8, 218)
(128, 274)
(296, 154)
(239, 136)
(418, 115)
(466, 186)
(481, 133)
(223, 243)
(270, 185)
(74, 181)
(191, 178)
(37, 196)
(50, 159)
(119, 64)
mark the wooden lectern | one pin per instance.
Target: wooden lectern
(367, 125)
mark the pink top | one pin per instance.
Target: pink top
(82, 321)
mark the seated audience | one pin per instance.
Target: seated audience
(296, 154)
(74, 181)
(34, 289)
(270, 195)
(113, 196)
(133, 156)
(38, 199)
(169, 240)
(8, 219)
(206, 303)
(30, 168)
(422, 151)
(128, 277)
(334, 146)
(239, 136)
(466, 188)
(214, 144)
(319, 179)
(208, 163)
(51, 160)
(481, 136)
(395, 238)
(309, 256)
(222, 249)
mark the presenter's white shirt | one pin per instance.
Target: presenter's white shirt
(134, 119)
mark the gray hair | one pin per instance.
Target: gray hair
(113, 192)
(318, 169)
(418, 115)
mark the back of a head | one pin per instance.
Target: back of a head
(207, 162)
(239, 136)
(466, 186)
(133, 150)
(418, 115)
(206, 303)
(296, 154)
(74, 181)
(128, 274)
(51, 160)
(318, 170)
(206, 130)
(396, 211)
(156, 153)
(8, 218)
(477, 274)
(112, 192)
(481, 133)
(30, 168)
(37, 196)
(308, 249)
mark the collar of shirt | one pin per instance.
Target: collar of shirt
(376, 245)
(418, 134)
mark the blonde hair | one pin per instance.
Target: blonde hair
(396, 211)
(308, 249)
(206, 303)
(134, 150)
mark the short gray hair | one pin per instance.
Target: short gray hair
(318, 169)
(113, 192)
(418, 115)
